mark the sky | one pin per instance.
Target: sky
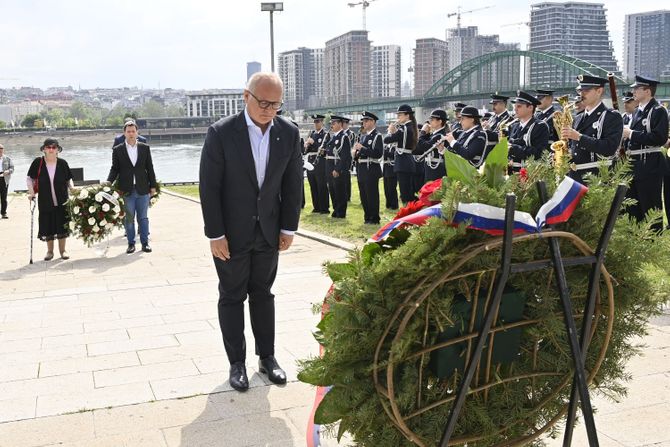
(199, 44)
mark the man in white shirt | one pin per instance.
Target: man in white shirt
(6, 170)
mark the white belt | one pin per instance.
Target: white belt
(431, 160)
(388, 162)
(332, 157)
(403, 151)
(649, 150)
(514, 164)
(368, 160)
(593, 164)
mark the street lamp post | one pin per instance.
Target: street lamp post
(272, 7)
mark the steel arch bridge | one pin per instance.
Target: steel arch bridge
(477, 78)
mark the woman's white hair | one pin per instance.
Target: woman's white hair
(260, 77)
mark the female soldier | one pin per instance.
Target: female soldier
(426, 147)
(471, 142)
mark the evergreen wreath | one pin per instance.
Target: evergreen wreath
(403, 314)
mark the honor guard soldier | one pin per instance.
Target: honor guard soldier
(629, 107)
(501, 116)
(338, 161)
(403, 134)
(646, 134)
(368, 152)
(545, 112)
(315, 151)
(430, 136)
(390, 178)
(472, 141)
(456, 126)
(595, 133)
(529, 136)
(352, 139)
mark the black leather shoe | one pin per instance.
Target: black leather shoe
(130, 249)
(238, 377)
(146, 248)
(4, 216)
(269, 366)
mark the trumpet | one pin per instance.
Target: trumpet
(505, 124)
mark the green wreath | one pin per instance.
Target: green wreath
(394, 303)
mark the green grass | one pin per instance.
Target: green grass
(351, 229)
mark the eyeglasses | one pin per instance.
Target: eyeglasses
(266, 104)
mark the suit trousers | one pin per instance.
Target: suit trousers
(647, 191)
(338, 193)
(321, 185)
(250, 272)
(369, 192)
(3, 196)
(391, 192)
(406, 184)
(314, 189)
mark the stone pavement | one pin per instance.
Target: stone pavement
(125, 350)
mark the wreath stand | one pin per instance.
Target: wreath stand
(385, 361)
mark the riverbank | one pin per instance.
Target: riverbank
(99, 136)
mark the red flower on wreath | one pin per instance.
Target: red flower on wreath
(523, 174)
(424, 199)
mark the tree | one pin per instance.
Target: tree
(3, 124)
(174, 110)
(79, 110)
(152, 109)
(32, 120)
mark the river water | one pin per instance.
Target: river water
(173, 162)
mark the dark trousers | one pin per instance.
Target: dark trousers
(322, 187)
(250, 272)
(314, 189)
(391, 192)
(3, 196)
(338, 194)
(418, 180)
(406, 184)
(369, 191)
(666, 197)
(347, 185)
(647, 192)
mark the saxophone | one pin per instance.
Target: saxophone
(562, 119)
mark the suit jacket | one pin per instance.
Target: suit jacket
(7, 165)
(403, 138)
(471, 145)
(231, 200)
(141, 176)
(548, 117)
(523, 145)
(372, 151)
(122, 139)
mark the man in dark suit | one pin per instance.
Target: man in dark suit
(132, 165)
(250, 191)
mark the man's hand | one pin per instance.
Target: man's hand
(153, 191)
(627, 132)
(570, 134)
(285, 241)
(358, 146)
(220, 249)
(31, 196)
(336, 174)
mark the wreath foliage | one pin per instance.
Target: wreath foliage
(95, 211)
(371, 290)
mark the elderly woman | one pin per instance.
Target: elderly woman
(54, 180)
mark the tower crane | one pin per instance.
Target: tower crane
(365, 4)
(459, 12)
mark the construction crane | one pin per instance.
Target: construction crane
(515, 24)
(364, 4)
(459, 12)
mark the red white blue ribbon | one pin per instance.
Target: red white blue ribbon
(491, 219)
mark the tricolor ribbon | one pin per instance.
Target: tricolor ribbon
(491, 219)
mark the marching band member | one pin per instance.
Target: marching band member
(545, 112)
(403, 134)
(502, 115)
(426, 147)
(338, 161)
(596, 132)
(390, 178)
(529, 136)
(352, 139)
(647, 132)
(368, 152)
(317, 177)
(456, 126)
(471, 142)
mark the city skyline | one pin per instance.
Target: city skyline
(200, 47)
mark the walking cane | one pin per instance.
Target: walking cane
(32, 225)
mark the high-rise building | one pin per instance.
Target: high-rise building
(302, 73)
(214, 103)
(466, 43)
(431, 62)
(646, 48)
(385, 71)
(346, 68)
(573, 29)
(253, 67)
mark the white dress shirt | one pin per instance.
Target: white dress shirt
(132, 154)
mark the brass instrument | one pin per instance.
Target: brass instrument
(562, 119)
(504, 125)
